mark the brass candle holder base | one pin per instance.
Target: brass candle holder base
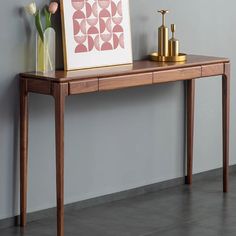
(180, 58)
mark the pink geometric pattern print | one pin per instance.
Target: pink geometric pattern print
(98, 25)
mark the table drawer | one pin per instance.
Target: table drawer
(125, 81)
(83, 86)
(178, 74)
(211, 70)
(39, 86)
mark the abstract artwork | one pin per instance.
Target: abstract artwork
(96, 33)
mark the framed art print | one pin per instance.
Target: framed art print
(96, 33)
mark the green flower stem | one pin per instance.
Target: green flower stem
(39, 25)
(47, 18)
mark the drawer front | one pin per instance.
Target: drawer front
(211, 70)
(125, 81)
(84, 86)
(39, 86)
(178, 74)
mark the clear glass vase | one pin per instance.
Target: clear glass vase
(45, 51)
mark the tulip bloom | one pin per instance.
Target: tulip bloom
(31, 8)
(53, 7)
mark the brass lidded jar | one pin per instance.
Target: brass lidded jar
(173, 43)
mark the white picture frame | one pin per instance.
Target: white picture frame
(96, 33)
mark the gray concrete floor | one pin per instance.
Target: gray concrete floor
(187, 211)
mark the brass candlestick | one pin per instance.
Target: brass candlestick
(168, 50)
(163, 36)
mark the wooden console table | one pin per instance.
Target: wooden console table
(61, 84)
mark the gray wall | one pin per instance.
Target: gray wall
(117, 140)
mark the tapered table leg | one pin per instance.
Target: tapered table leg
(226, 120)
(190, 128)
(60, 92)
(23, 150)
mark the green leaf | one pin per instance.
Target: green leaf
(38, 24)
(47, 18)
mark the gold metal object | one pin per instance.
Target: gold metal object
(163, 36)
(173, 43)
(168, 50)
(180, 58)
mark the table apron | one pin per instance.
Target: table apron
(126, 81)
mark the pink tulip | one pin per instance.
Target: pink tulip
(53, 7)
